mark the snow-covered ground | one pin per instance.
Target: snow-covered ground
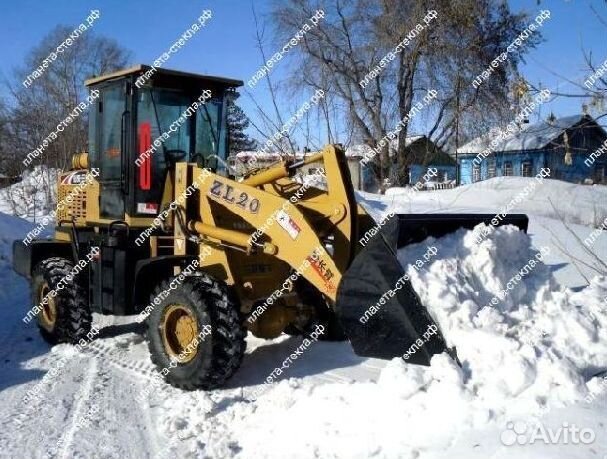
(562, 215)
(32, 198)
(534, 359)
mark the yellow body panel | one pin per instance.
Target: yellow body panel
(252, 234)
(231, 212)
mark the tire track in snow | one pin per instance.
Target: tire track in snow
(140, 439)
(84, 396)
(39, 422)
(152, 441)
(120, 359)
(24, 411)
(135, 435)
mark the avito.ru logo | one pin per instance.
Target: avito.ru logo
(528, 434)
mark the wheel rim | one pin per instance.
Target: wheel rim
(47, 317)
(179, 328)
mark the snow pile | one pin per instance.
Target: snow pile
(533, 349)
(32, 198)
(581, 204)
(532, 352)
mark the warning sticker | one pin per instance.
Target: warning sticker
(148, 208)
(288, 224)
(320, 266)
(74, 178)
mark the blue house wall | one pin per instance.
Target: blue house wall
(369, 182)
(552, 156)
(516, 159)
(417, 172)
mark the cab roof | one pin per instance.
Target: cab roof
(165, 75)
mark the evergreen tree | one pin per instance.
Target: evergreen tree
(238, 123)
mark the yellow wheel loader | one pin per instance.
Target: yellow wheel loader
(150, 222)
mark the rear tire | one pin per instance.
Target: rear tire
(195, 333)
(66, 318)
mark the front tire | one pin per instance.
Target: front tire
(324, 315)
(66, 317)
(195, 333)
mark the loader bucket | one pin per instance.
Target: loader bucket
(380, 319)
(385, 322)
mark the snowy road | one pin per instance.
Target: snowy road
(112, 371)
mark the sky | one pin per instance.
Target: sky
(572, 27)
(147, 28)
(227, 45)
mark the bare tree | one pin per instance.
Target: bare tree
(283, 104)
(34, 111)
(445, 55)
(6, 165)
(38, 109)
(587, 260)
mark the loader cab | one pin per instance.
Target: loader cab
(145, 120)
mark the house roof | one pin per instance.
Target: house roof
(354, 151)
(531, 137)
(244, 155)
(435, 156)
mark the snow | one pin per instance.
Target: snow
(586, 205)
(353, 151)
(531, 136)
(537, 356)
(32, 198)
(562, 215)
(535, 348)
(411, 411)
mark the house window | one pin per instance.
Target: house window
(491, 169)
(508, 169)
(527, 169)
(476, 173)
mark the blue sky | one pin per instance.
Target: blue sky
(227, 45)
(572, 25)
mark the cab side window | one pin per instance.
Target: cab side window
(111, 109)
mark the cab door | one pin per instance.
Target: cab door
(113, 120)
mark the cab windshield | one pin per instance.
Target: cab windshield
(162, 109)
(169, 127)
